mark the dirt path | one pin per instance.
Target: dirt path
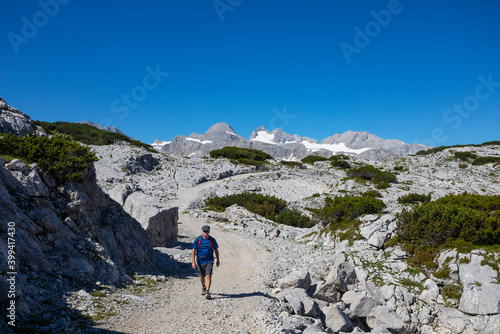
(238, 297)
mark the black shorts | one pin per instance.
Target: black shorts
(206, 269)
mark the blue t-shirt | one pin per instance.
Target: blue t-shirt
(205, 251)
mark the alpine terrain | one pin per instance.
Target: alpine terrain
(353, 234)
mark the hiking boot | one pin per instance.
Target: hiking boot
(207, 295)
(203, 291)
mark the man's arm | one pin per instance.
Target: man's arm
(193, 261)
(217, 254)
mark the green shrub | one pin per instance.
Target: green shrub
(382, 185)
(465, 156)
(88, 134)
(341, 211)
(340, 161)
(291, 163)
(370, 173)
(311, 159)
(413, 198)
(270, 207)
(452, 291)
(398, 168)
(237, 153)
(59, 155)
(485, 160)
(466, 217)
(293, 218)
(372, 193)
(463, 166)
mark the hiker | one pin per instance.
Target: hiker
(204, 247)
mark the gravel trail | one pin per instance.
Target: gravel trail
(239, 296)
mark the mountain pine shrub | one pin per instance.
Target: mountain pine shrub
(88, 134)
(237, 153)
(270, 207)
(370, 173)
(340, 161)
(341, 212)
(311, 159)
(414, 198)
(485, 160)
(465, 156)
(60, 156)
(468, 218)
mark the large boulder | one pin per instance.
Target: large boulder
(480, 296)
(343, 275)
(337, 320)
(160, 223)
(381, 316)
(359, 303)
(296, 279)
(301, 303)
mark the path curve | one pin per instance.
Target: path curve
(238, 295)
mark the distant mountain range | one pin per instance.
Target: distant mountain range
(279, 144)
(284, 146)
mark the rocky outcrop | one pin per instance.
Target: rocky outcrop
(66, 236)
(100, 127)
(160, 223)
(14, 121)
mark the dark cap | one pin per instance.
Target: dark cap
(205, 228)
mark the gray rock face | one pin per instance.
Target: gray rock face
(159, 223)
(12, 120)
(69, 234)
(282, 145)
(100, 127)
(480, 296)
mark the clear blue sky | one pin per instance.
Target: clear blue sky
(419, 71)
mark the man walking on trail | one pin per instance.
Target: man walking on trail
(204, 246)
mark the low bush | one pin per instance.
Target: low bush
(270, 207)
(370, 173)
(237, 153)
(340, 161)
(465, 156)
(341, 211)
(413, 198)
(311, 159)
(372, 193)
(485, 160)
(60, 156)
(88, 134)
(467, 217)
(291, 163)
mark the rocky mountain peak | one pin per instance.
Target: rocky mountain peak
(13, 120)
